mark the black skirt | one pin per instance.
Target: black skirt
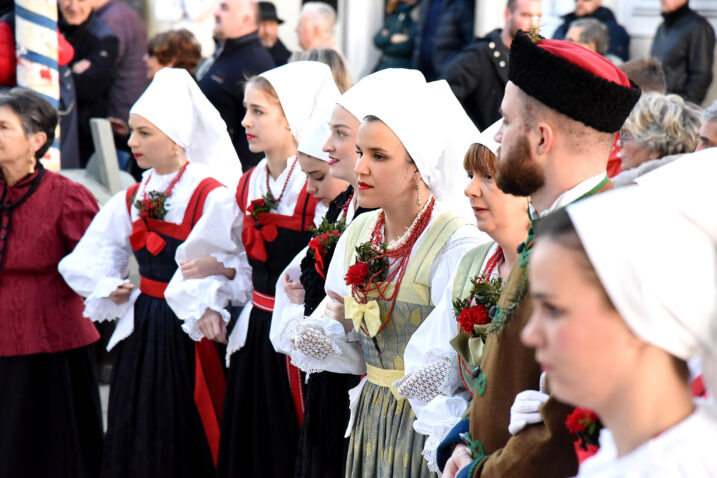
(153, 427)
(322, 446)
(259, 429)
(50, 415)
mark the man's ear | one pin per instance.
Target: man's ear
(545, 138)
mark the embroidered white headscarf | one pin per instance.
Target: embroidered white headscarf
(301, 86)
(632, 237)
(174, 103)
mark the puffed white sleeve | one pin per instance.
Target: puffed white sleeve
(346, 355)
(99, 263)
(430, 344)
(286, 313)
(217, 234)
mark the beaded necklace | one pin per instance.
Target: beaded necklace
(286, 181)
(345, 207)
(398, 255)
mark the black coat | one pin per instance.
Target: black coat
(478, 77)
(96, 42)
(619, 38)
(452, 31)
(279, 53)
(685, 44)
(223, 84)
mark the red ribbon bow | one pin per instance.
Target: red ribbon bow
(255, 235)
(144, 238)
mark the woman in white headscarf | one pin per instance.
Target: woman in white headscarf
(614, 328)
(267, 223)
(157, 424)
(407, 168)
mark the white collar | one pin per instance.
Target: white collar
(569, 196)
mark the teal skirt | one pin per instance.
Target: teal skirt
(383, 443)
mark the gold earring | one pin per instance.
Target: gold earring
(418, 195)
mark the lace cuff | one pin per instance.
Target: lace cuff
(430, 448)
(98, 305)
(427, 382)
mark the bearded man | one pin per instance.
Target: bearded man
(561, 109)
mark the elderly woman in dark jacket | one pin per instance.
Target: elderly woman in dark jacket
(49, 400)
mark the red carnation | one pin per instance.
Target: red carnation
(316, 246)
(580, 419)
(476, 315)
(356, 275)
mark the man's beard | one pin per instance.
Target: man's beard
(518, 174)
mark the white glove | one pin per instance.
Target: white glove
(426, 382)
(313, 342)
(526, 408)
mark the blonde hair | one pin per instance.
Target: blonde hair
(329, 57)
(664, 124)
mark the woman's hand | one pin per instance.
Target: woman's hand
(398, 38)
(212, 326)
(460, 458)
(294, 290)
(335, 310)
(205, 266)
(122, 293)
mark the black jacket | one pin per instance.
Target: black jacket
(685, 43)
(478, 77)
(92, 40)
(619, 38)
(453, 31)
(223, 84)
(279, 53)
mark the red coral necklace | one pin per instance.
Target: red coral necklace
(400, 254)
(286, 181)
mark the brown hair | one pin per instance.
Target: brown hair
(647, 74)
(480, 158)
(178, 47)
(264, 85)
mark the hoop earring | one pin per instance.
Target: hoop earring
(418, 195)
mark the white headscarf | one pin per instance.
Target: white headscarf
(486, 137)
(174, 103)
(357, 99)
(317, 130)
(654, 248)
(433, 127)
(300, 86)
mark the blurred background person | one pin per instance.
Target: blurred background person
(398, 35)
(50, 405)
(93, 65)
(658, 126)
(316, 26)
(647, 74)
(240, 55)
(444, 29)
(478, 75)
(619, 40)
(685, 44)
(269, 33)
(336, 61)
(708, 130)
(172, 49)
(593, 35)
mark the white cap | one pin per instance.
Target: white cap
(300, 86)
(174, 103)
